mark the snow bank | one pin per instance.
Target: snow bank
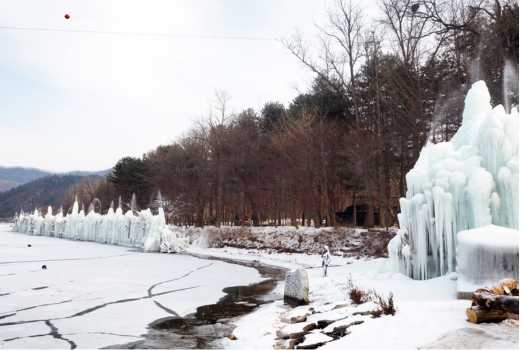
(486, 255)
(468, 182)
(141, 230)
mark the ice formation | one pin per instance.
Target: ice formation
(485, 255)
(469, 182)
(141, 230)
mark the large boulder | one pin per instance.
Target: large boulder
(296, 288)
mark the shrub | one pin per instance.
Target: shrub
(385, 304)
(357, 295)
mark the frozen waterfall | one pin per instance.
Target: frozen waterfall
(469, 182)
(141, 230)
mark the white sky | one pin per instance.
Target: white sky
(79, 101)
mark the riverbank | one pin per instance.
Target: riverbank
(95, 295)
(430, 307)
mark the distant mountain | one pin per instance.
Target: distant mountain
(14, 176)
(7, 185)
(89, 173)
(11, 177)
(48, 190)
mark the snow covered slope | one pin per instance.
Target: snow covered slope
(468, 182)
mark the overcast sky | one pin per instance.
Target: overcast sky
(81, 101)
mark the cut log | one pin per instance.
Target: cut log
(495, 304)
(507, 286)
(489, 301)
(477, 315)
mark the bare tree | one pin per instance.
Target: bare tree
(408, 30)
(342, 48)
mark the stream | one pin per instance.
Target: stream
(210, 323)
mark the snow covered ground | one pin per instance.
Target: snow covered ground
(428, 312)
(93, 295)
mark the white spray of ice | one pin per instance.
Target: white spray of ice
(468, 182)
(510, 83)
(141, 230)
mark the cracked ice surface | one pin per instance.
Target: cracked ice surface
(98, 295)
(469, 182)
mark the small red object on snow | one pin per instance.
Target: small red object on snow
(66, 16)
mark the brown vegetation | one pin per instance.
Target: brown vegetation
(382, 90)
(385, 305)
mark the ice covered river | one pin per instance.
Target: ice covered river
(56, 293)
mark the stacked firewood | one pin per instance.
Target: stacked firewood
(495, 304)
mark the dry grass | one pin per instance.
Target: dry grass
(357, 295)
(385, 305)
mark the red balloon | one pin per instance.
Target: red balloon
(66, 16)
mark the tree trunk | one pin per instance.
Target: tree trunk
(354, 209)
(490, 301)
(487, 306)
(478, 315)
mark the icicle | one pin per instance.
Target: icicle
(141, 229)
(133, 203)
(469, 182)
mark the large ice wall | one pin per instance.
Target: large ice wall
(141, 230)
(468, 182)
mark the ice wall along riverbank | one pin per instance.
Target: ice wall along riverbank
(141, 230)
(469, 182)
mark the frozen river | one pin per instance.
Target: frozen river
(94, 295)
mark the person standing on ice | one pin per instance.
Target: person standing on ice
(326, 260)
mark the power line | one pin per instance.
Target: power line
(144, 34)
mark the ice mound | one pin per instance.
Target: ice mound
(486, 255)
(469, 182)
(141, 230)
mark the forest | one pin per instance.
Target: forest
(338, 153)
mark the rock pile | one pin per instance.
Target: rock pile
(307, 327)
(496, 304)
(341, 241)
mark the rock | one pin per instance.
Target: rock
(314, 340)
(296, 288)
(310, 327)
(342, 324)
(232, 337)
(297, 315)
(298, 319)
(363, 313)
(340, 306)
(325, 318)
(292, 343)
(44, 267)
(338, 332)
(324, 323)
(295, 330)
(29, 245)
